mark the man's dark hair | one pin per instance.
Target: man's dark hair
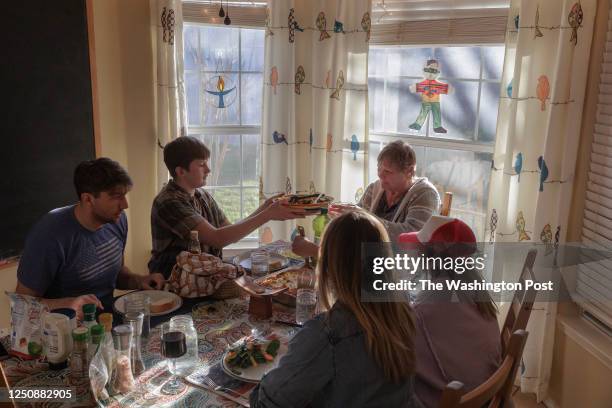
(182, 151)
(103, 174)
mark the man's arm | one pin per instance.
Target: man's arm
(75, 303)
(128, 280)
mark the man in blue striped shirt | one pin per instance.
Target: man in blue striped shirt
(74, 254)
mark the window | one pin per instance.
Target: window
(459, 160)
(231, 133)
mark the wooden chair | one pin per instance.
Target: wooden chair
(497, 390)
(446, 204)
(521, 304)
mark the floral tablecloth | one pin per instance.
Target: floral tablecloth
(218, 323)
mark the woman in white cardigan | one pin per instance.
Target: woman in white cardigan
(400, 200)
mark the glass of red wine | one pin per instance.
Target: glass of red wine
(173, 346)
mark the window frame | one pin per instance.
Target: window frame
(226, 130)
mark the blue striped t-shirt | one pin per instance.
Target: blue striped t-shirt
(64, 259)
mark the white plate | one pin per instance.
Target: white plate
(154, 295)
(244, 260)
(254, 374)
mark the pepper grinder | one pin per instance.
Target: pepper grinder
(135, 320)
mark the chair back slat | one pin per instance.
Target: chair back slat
(447, 203)
(522, 303)
(497, 389)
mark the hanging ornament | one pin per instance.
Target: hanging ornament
(358, 194)
(328, 79)
(221, 11)
(221, 89)
(575, 20)
(339, 85)
(354, 146)
(262, 196)
(339, 27)
(366, 24)
(274, 78)
(293, 25)
(557, 236)
(546, 234)
(279, 138)
(269, 31)
(322, 26)
(328, 145)
(288, 187)
(227, 20)
(537, 32)
(518, 165)
(493, 225)
(543, 171)
(310, 140)
(517, 19)
(300, 75)
(311, 187)
(520, 227)
(543, 90)
(430, 89)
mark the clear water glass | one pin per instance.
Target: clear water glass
(260, 261)
(139, 302)
(305, 305)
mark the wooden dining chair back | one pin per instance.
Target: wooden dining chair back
(447, 203)
(495, 392)
(521, 304)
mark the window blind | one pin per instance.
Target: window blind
(594, 279)
(243, 13)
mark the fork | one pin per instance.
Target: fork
(210, 383)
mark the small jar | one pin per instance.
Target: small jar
(187, 363)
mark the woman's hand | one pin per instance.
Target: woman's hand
(337, 209)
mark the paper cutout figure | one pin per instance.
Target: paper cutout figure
(509, 89)
(574, 19)
(274, 78)
(300, 75)
(354, 146)
(269, 31)
(279, 138)
(310, 140)
(536, 30)
(338, 27)
(339, 85)
(288, 187)
(328, 79)
(266, 236)
(293, 25)
(520, 227)
(358, 194)
(366, 24)
(322, 26)
(546, 234)
(221, 92)
(493, 225)
(518, 165)
(430, 90)
(543, 90)
(543, 171)
(311, 187)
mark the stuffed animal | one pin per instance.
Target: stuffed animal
(430, 90)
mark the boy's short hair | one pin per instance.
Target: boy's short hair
(103, 174)
(182, 151)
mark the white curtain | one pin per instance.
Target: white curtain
(315, 110)
(171, 118)
(547, 53)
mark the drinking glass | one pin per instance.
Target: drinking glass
(259, 263)
(139, 302)
(173, 346)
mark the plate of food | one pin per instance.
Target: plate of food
(276, 262)
(250, 358)
(308, 202)
(162, 302)
(283, 279)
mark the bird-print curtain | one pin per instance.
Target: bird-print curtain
(171, 117)
(538, 128)
(315, 109)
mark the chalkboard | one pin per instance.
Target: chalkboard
(48, 122)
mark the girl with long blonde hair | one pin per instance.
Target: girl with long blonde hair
(355, 353)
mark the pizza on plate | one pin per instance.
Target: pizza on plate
(285, 279)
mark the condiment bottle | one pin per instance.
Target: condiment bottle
(134, 319)
(194, 243)
(97, 338)
(122, 380)
(79, 363)
(89, 315)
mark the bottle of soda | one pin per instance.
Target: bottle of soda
(318, 225)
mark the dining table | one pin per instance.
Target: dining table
(219, 324)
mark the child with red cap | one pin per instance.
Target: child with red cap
(457, 334)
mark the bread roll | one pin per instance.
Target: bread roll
(162, 305)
